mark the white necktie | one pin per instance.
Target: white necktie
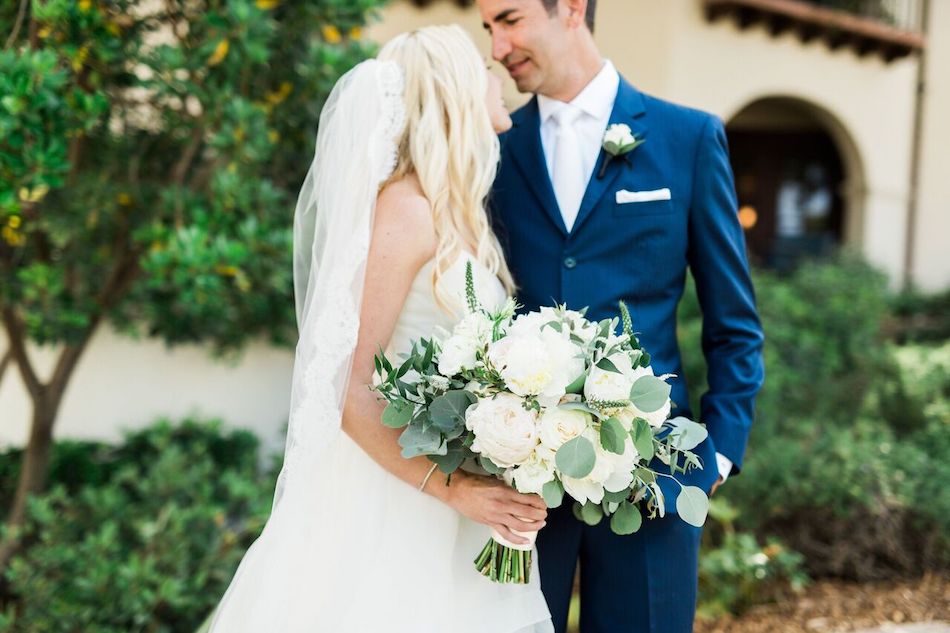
(567, 169)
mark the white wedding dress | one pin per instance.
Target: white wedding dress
(391, 559)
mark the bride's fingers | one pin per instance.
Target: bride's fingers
(508, 535)
(519, 523)
(529, 500)
(528, 512)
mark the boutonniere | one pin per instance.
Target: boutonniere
(618, 142)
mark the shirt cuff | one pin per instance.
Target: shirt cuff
(725, 466)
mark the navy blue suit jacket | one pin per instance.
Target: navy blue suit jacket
(639, 253)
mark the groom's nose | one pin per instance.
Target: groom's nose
(500, 45)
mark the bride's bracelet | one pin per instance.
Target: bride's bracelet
(422, 486)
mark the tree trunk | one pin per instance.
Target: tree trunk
(34, 469)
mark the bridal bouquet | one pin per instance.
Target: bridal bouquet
(553, 404)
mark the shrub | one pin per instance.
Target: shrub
(850, 443)
(151, 538)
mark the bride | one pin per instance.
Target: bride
(392, 209)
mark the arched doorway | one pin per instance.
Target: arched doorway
(797, 180)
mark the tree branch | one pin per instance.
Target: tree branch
(4, 363)
(17, 340)
(180, 170)
(18, 24)
(121, 277)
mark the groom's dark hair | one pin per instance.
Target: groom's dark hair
(551, 6)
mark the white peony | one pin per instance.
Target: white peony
(505, 431)
(560, 425)
(602, 384)
(530, 477)
(537, 360)
(460, 350)
(523, 363)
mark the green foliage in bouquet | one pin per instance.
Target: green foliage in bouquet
(146, 539)
(468, 372)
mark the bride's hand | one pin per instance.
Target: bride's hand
(488, 500)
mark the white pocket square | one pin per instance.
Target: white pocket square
(626, 197)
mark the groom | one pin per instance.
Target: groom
(583, 233)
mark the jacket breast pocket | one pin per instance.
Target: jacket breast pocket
(651, 207)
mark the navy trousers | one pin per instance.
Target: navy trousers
(639, 583)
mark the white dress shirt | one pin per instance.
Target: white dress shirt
(596, 102)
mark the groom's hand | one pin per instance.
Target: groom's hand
(716, 485)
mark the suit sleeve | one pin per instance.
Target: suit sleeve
(732, 334)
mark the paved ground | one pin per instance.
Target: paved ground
(920, 627)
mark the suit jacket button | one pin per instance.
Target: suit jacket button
(570, 262)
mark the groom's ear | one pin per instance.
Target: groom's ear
(580, 13)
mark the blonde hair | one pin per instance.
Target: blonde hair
(449, 143)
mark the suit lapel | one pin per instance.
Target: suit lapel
(628, 108)
(524, 145)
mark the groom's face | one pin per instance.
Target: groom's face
(526, 40)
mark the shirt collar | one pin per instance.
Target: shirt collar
(596, 99)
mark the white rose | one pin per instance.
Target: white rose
(610, 385)
(560, 425)
(505, 431)
(460, 351)
(457, 353)
(620, 134)
(530, 477)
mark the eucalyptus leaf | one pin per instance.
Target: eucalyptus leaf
(627, 519)
(580, 406)
(578, 385)
(397, 414)
(448, 410)
(453, 458)
(649, 394)
(415, 441)
(686, 434)
(607, 365)
(489, 466)
(553, 493)
(591, 513)
(612, 436)
(616, 497)
(692, 505)
(642, 435)
(576, 458)
(554, 325)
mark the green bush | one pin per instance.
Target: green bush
(849, 447)
(147, 540)
(737, 572)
